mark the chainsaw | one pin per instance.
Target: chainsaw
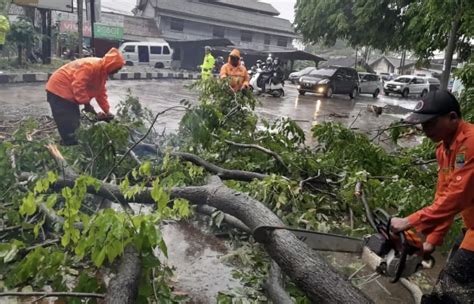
(392, 255)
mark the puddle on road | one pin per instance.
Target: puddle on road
(195, 254)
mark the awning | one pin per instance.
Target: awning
(283, 55)
(219, 42)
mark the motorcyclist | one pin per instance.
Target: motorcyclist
(208, 63)
(278, 74)
(267, 73)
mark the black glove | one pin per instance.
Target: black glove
(89, 109)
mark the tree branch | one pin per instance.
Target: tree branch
(275, 155)
(52, 294)
(140, 139)
(274, 286)
(225, 174)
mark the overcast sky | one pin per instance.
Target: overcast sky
(285, 7)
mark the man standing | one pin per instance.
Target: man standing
(440, 116)
(239, 77)
(76, 83)
(208, 64)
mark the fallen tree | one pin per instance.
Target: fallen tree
(274, 179)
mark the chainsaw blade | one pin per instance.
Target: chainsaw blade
(316, 240)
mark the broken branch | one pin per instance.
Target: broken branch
(275, 155)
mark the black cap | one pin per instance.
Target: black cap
(434, 104)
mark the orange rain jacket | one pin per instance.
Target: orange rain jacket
(239, 75)
(454, 192)
(83, 79)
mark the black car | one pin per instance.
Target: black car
(331, 80)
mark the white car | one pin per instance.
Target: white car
(407, 85)
(369, 84)
(157, 54)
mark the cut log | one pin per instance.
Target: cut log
(123, 288)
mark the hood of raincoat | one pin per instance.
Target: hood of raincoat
(113, 60)
(235, 52)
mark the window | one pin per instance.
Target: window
(129, 49)
(177, 24)
(155, 50)
(246, 36)
(218, 32)
(282, 41)
(419, 81)
(267, 39)
(166, 50)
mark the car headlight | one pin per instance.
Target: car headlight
(398, 87)
(300, 80)
(324, 81)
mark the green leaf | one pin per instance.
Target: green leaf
(99, 257)
(28, 205)
(145, 169)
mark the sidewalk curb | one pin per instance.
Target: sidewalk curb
(43, 77)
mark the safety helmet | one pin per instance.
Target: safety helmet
(207, 48)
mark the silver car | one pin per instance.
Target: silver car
(370, 84)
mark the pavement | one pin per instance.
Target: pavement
(29, 99)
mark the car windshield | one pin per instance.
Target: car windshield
(403, 79)
(323, 72)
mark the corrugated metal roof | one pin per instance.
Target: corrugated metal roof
(252, 5)
(213, 12)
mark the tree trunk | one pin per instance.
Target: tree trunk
(449, 52)
(320, 282)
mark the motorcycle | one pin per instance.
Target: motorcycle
(274, 88)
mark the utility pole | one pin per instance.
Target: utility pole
(80, 25)
(92, 14)
(46, 36)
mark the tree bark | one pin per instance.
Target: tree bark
(449, 52)
(123, 288)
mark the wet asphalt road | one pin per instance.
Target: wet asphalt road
(21, 100)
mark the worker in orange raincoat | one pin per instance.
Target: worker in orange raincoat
(440, 116)
(76, 83)
(239, 77)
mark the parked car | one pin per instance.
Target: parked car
(329, 81)
(369, 84)
(295, 76)
(156, 53)
(406, 85)
(434, 83)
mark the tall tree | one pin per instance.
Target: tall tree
(421, 26)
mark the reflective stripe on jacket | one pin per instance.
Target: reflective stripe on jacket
(4, 29)
(454, 192)
(83, 79)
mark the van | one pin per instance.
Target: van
(156, 54)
